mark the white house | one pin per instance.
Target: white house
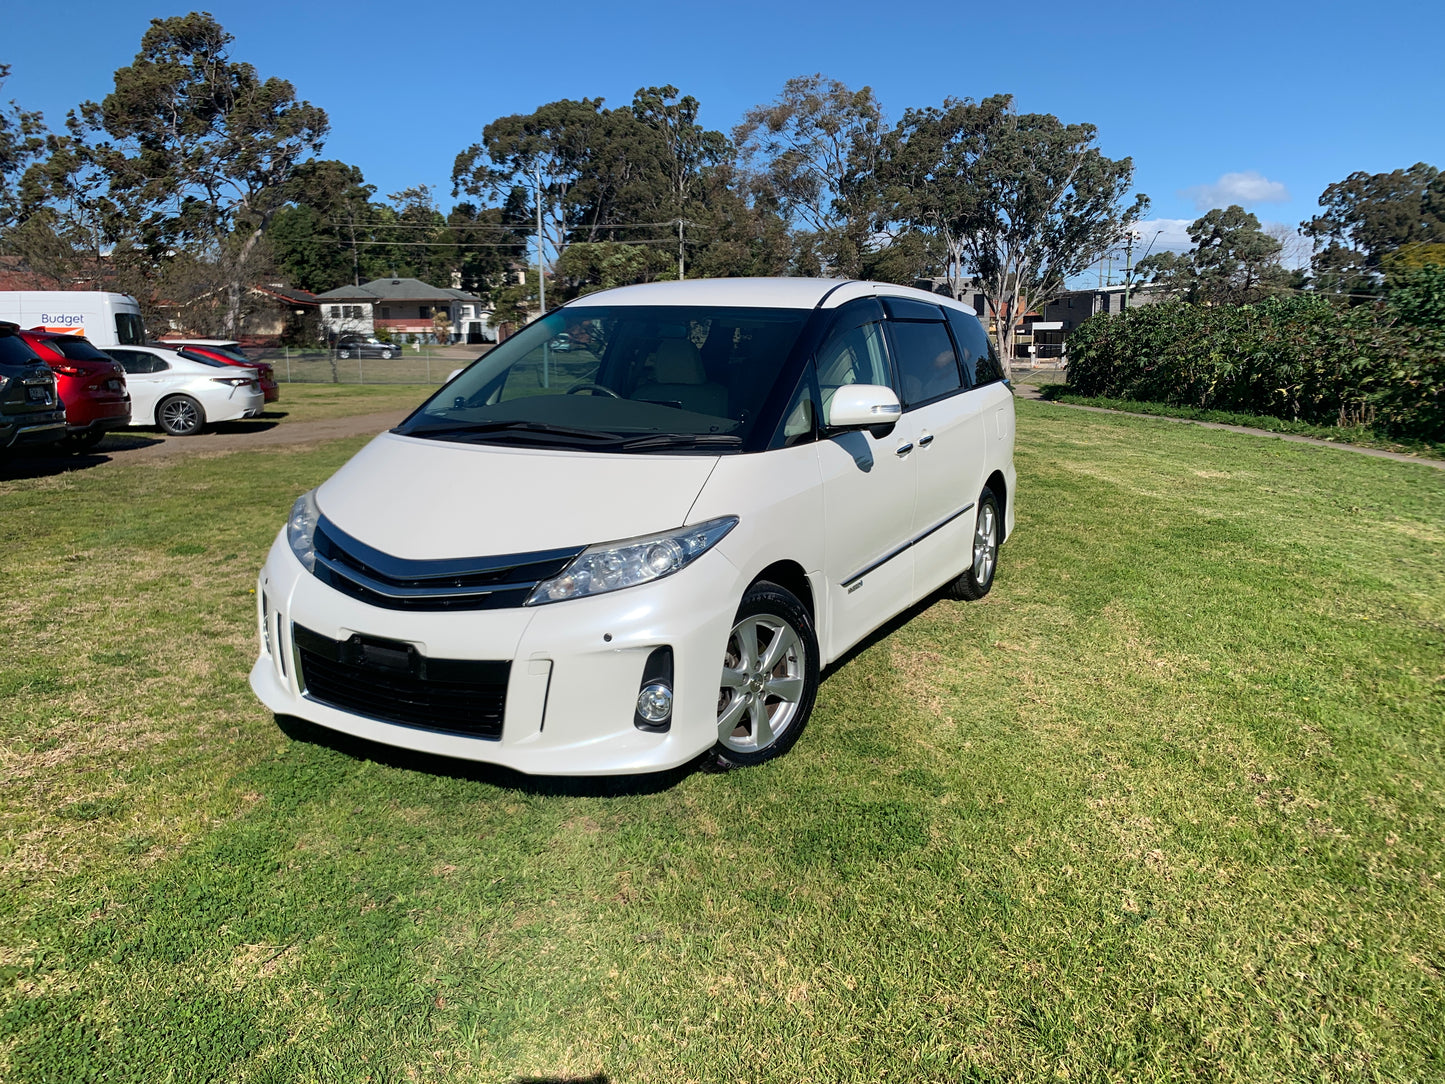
(404, 307)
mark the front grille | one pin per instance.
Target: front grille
(396, 583)
(391, 681)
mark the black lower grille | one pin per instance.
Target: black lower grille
(391, 681)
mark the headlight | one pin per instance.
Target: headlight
(301, 529)
(612, 566)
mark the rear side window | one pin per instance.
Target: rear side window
(129, 330)
(15, 351)
(975, 351)
(137, 363)
(927, 367)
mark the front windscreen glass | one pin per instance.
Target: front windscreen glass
(620, 378)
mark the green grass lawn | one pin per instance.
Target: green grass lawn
(1167, 805)
(314, 402)
(1365, 436)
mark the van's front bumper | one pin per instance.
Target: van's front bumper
(574, 668)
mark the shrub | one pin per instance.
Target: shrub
(1300, 357)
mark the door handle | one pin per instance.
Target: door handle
(904, 449)
(925, 440)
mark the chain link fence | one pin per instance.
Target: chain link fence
(424, 366)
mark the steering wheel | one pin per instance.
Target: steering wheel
(594, 388)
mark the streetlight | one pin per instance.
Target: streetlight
(1131, 237)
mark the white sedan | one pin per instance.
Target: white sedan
(183, 394)
(645, 548)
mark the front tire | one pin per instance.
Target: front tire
(386, 355)
(974, 583)
(769, 677)
(180, 416)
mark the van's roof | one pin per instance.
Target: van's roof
(771, 293)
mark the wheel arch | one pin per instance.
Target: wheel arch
(790, 574)
(999, 487)
(164, 399)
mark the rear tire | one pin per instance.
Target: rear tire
(974, 583)
(180, 416)
(769, 677)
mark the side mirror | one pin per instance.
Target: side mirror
(863, 406)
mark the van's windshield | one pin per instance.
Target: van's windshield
(620, 378)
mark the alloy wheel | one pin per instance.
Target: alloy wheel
(180, 417)
(985, 544)
(763, 682)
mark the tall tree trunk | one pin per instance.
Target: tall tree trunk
(238, 284)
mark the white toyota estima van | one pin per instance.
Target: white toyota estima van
(617, 556)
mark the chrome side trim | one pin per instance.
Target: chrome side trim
(906, 546)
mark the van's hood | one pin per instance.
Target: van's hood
(425, 499)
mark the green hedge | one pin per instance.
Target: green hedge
(1299, 357)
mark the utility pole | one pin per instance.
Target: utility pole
(1129, 239)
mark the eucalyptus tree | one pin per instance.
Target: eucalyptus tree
(22, 139)
(1368, 216)
(812, 150)
(197, 150)
(633, 176)
(1021, 200)
(1233, 261)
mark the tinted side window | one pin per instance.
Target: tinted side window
(15, 351)
(854, 356)
(137, 364)
(927, 367)
(974, 348)
(972, 342)
(800, 424)
(129, 329)
(989, 369)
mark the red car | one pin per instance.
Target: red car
(89, 383)
(229, 352)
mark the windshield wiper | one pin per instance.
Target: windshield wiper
(681, 440)
(513, 428)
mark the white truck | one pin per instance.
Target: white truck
(103, 318)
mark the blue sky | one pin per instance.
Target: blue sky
(1259, 103)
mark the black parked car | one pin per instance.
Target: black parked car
(366, 348)
(30, 410)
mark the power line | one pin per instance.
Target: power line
(496, 226)
(487, 244)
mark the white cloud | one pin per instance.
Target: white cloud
(1242, 188)
(1173, 233)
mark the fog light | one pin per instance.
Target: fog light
(654, 703)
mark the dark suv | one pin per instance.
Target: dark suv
(30, 410)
